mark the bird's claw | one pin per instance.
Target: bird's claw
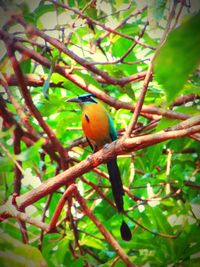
(106, 146)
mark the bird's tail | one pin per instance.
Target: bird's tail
(118, 192)
(116, 184)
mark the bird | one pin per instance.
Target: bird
(99, 130)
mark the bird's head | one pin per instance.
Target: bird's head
(84, 99)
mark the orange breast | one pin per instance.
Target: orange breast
(95, 124)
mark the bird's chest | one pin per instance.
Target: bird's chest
(95, 124)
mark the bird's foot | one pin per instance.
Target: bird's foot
(89, 158)
(106, 146)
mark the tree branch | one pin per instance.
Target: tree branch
(140, 101)
(102, 156)
(148, 76)
(110, 239)
(94, 22)
(89, 87)
(31, 106)
(123, 22)
(70, 190)
(30, 79)
(8, 210)
(27, 138)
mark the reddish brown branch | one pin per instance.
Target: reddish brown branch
(134, 44)
(22, 223)
(140, 101)
(185, 124)
(181, 100)
(30, 79)
(9, 121)
(62, 48)
(31, 106)
(102, 156)
(123, 22)
(17, 151)
(61, 203)
(73, 226)
(103, 26)
(143, 141)
(21, 113)
(148, 76)
(27, 138)
(40, 241)
(89, 87)
(96, 188)
(109, 238)
(9, 211)
(192, 185)
(125, 80)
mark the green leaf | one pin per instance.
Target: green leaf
(161, 221)
(57, 253)
(178, 57)
(121, 46)
(166, 123)
(26, 66)
(78, 263)
(155, 11)
(6, 164)
(154, 156)
(38, 12)
(15, 253)
(93, 243)
(30, 154)
(45, 88)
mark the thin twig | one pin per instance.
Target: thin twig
(123, 22)
(62, 48)
(43, 219)
(140, 101)
(91, 88)
(61, 203)
(11, 157)
(27, 138)
(92, 21)
(109, 238)
(8, 210)
(17, 151)
(148, 76)
(31, 106)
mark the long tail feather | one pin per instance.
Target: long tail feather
(118, 192)
(125, 231)
(116, 183)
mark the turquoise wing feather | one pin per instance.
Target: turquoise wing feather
(113, 132)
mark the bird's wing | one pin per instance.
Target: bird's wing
(113, 132)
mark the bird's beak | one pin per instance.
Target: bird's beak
(73, 100)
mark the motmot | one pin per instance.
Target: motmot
(99, 130)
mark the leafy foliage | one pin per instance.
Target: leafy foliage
(117, 39)
(179, 57)
(16, 253)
